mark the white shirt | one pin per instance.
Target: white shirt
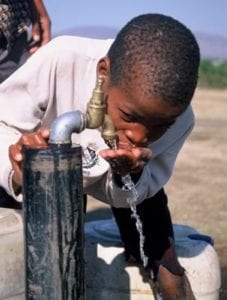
(59, 78)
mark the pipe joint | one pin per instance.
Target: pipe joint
(63, 127)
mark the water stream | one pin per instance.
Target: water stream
(128, 184)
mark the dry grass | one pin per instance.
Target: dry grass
(199, 180)
(197, 191)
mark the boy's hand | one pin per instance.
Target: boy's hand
(127, 159)
(35, 140)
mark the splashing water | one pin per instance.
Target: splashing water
(112, 143)
(128, 184)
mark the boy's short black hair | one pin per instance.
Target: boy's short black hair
(160, 55)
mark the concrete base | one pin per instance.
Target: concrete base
(109, 277)
(11, 255)
(107, 274)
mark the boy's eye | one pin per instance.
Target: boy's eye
(128, 117)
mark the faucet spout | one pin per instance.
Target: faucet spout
(108, 131)
(76, 121)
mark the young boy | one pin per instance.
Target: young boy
(149, 75)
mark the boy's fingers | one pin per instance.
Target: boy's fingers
(38, 138)
(45, 132)
(15, 152)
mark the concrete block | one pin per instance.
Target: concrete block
(107, 275)
(11, 254)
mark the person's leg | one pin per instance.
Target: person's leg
(174, 287)
(158, 245)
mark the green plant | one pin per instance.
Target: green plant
(213, 74)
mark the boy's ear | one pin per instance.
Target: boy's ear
(103, 67)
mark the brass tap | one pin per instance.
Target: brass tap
(96, 114)
(76, 121)
(96, 108)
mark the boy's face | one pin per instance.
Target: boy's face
(139, 121)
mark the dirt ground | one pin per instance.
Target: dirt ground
(197, 191)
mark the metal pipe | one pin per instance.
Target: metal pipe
(63, 127)
(53, 211)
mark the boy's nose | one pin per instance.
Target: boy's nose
(137, 137)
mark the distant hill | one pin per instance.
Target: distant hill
(211, 46)
(91, 31)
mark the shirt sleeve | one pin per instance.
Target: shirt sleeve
(8, 136)
(23, 106)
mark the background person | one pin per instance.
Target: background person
(17, 18)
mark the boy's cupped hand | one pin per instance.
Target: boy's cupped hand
(127, 159)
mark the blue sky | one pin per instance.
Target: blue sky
(209, 16)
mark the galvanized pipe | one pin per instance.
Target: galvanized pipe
(53, 210)
(63, 127)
